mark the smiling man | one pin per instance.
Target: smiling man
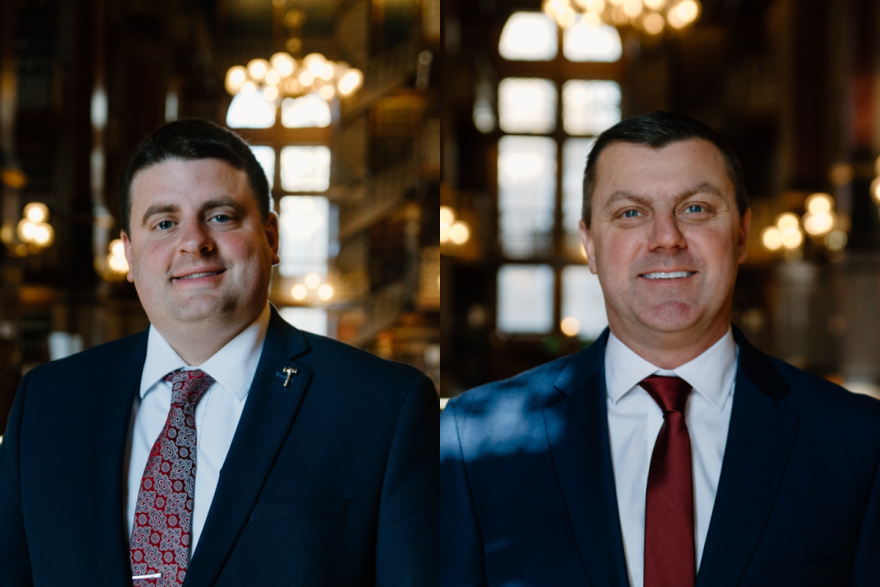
(221, 446)
(669, 453)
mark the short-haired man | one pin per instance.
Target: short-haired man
(669, 453)
(221, 446)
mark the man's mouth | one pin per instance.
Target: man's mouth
(670, 275)
(200, 274)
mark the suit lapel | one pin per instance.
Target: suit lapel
(115, 392)
(759, 440)
(577, 432)
(265, 422)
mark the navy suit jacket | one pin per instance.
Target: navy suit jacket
(528, 498)
(329, 481)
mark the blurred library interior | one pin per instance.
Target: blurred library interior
(337, 99)
(792, 86)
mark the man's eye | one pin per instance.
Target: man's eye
(164, 225)
(630, 214)
(221, 218)
(695, 209)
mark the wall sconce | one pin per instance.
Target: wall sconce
(818, 221)
(457, 232)
(312, 288)
(33, 232)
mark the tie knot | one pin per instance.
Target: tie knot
(670, 393)
(188, 386)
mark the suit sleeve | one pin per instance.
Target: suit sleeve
(461, 555)
(407, 542)
(15, 567)
(866, 563)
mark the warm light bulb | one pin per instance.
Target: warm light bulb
(36, 212)
(447, 215)
(283, 63)
(820, 223)
(248, 87)
(273, 78)
(257, 68)
(325, 292)
(299, 292)
(792, 238)
(270, 93)
(570, 326)
(771, 238)
(819, 203)
(314, 62)
(312, 280)
(306, 77)
(327, 92)
(459, 233)
(26, 230)
(875, 190)
(787, 221)
(654, 24)
(117, 248)
(655, 4)
(43, 234)
(235, 78)
(632, 8)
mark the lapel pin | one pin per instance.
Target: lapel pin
(290, 371)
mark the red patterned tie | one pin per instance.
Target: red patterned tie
(669, 504)
(160, 536)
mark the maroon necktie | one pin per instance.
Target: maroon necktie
(162, 531)
(669, 503)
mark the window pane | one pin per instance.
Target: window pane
(528, 36)
(526, 194)
(582, 300)
(590, 107)
(312, 320)
(305, 235)
(527, 105)
(250, 110)
(585, 42)
(574, 161)
(305, 169)
(266, 158)
(308, 111)
(525, 299)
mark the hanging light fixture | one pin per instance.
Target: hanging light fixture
(282, 76)
(650, 16)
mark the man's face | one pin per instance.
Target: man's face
(199, 253)
(666, 240)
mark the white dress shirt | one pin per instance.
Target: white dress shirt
(634, 421)
(217, 413)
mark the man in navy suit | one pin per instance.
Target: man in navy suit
(670, 452)
(222, 446)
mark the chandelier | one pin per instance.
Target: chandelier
(282, 76)
(650, 16)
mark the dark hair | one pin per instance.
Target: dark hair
(187, 140)
(657, 130)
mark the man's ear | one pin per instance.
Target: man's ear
(272, 235)
(589, 246)
(126, 242)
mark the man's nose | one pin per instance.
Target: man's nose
(196, 238)
(666, 232)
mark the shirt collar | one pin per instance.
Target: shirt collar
(711, 374)
(233, 366)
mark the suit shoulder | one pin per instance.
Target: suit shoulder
(89, 360)
(529, 389)
(814, 392)
(357, 363)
